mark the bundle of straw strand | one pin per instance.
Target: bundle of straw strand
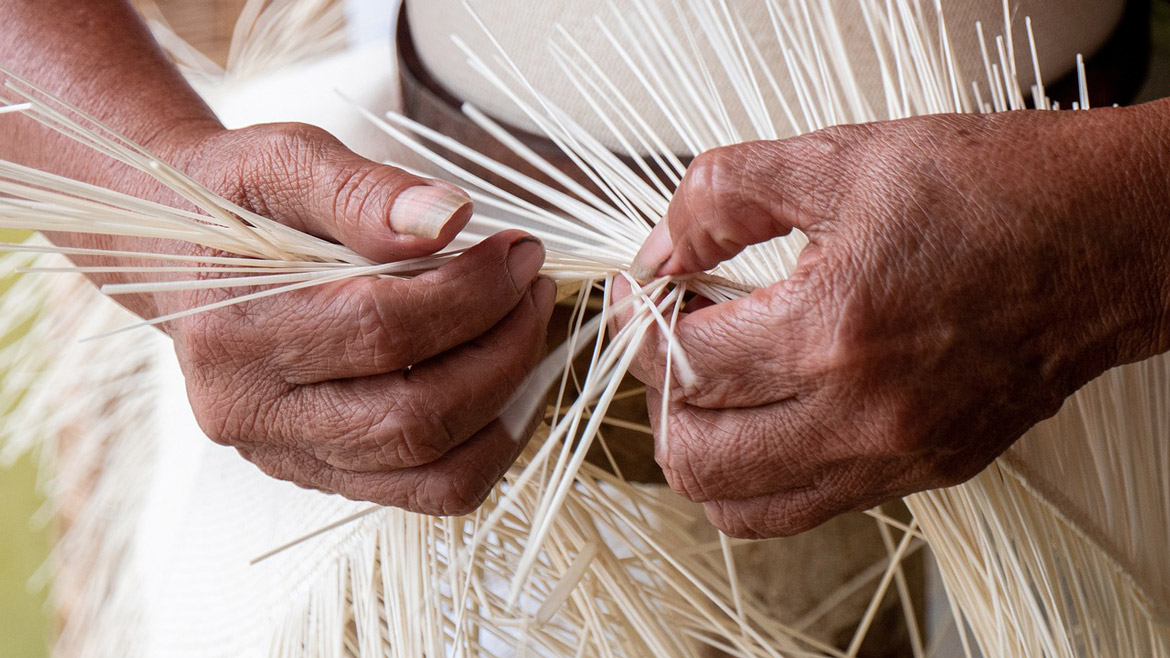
(566, 559)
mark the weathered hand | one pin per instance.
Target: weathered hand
(377, 389)
(965, 274)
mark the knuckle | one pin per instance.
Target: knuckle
(844, 362)
(775, 517)
(683, 481)
(480, 283)
(793, 525)
(276, 466)
(799, 516)
(222, 163)
(709, 381)
(838, 357)
(716, 181)
(313, 332)
(294, 138)
(733, 521)
(285, 142)
(350, 190)
(209, 340)
(381, 488)
(647, 369)
(649, 365)
(504, 367)
(679, 465)
(408, 437)
(230, 394)
(457, 493)
(229, 418)
(386, 335)
(383, 338)
(713, 176)
(531, 349)
(465, 497)
(712, 169)
(820, 168)
(214, 414)
(259, 166)
(280, 163)
(847, 343)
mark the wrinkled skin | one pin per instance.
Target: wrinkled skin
(377, 389)
(314, 387)
(965, 275)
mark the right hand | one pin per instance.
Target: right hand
(964, 275)
(382, 390)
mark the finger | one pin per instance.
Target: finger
(371, 326)
(407, 419)
(305, 177)
(736, 454)
(849, 487)
(697, 304)
(745, 353)
(454, 485)
(777, 515)
(740, 195)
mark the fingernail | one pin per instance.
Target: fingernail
(524, 261)
(544, 295)
(424, 210)
(655, 251)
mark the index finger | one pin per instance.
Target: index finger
(739, 195)
(372, 326)
(743, 353)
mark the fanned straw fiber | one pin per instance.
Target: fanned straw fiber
(1053, 551)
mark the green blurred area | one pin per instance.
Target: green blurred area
(23, 615)
(23, 549)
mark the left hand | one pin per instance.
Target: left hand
(965, 274)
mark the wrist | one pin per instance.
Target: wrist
(1152, 176)
(1098, 187)
(183, 145)
(178, 145)
(1129, 160)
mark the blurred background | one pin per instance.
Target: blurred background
(25, 626)
(25, 615)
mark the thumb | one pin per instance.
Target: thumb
(730, 198)
(306, 178)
